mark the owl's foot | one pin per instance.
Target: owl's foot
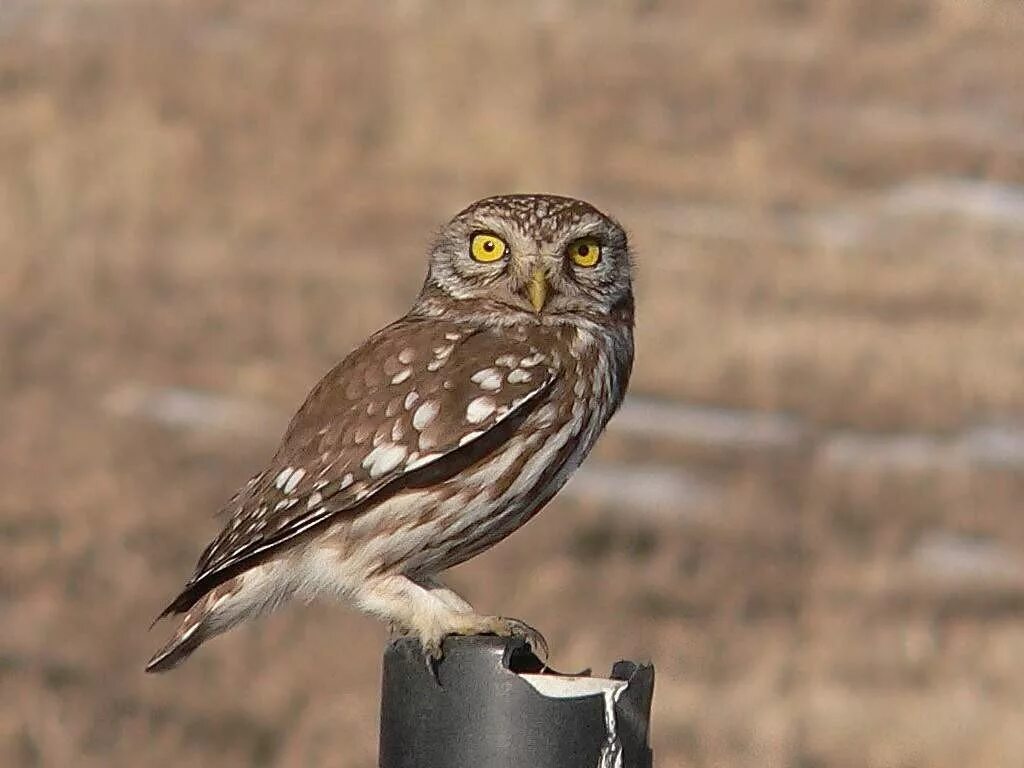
(427, 610)
(507, 627)
(474, 624)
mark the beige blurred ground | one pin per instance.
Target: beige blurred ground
(204, 204)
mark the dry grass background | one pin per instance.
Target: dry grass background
(224, 197)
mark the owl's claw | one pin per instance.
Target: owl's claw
(503, 626)
(507, 627)
(432, 656)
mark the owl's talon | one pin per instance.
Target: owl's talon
(432, 650)
(432, 655)
(518, 628)
(502, 626)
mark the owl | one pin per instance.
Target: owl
(436, 438)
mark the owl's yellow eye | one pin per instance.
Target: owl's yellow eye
(485, 247)
(585, 252)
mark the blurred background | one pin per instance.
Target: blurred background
(809, 511)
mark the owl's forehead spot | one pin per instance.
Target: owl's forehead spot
(541, 217)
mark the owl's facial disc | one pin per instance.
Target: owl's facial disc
(544, 255)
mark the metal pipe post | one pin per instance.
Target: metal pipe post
(491, 705)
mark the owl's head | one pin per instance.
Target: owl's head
(539, 255)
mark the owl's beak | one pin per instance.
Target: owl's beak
(537, 289)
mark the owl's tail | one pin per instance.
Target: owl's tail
(217, 611)
(193, 631)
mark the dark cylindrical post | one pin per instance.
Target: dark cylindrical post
(490, 706)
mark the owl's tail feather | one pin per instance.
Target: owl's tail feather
(215, 612)
(254, 592)
(193, 631)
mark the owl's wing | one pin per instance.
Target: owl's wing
(410, 406)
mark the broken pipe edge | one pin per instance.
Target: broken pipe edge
(493, 705)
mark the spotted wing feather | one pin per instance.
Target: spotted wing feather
(408, 401)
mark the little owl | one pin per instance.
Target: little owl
(439, 436)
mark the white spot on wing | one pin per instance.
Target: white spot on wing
(383, 459)
(407, 355)
(479, 409)
(519, 376)
(294, 480)
(283, 477)
(389, 460)
(532, 360)
(411, 398)
(425, 414)
(401, 376)
(315, 499)
(488, 378)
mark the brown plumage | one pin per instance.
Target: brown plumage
(439, 436)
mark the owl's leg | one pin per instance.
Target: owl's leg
(485, 625)
(441, 592)
(444, 593)
(430, 611)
